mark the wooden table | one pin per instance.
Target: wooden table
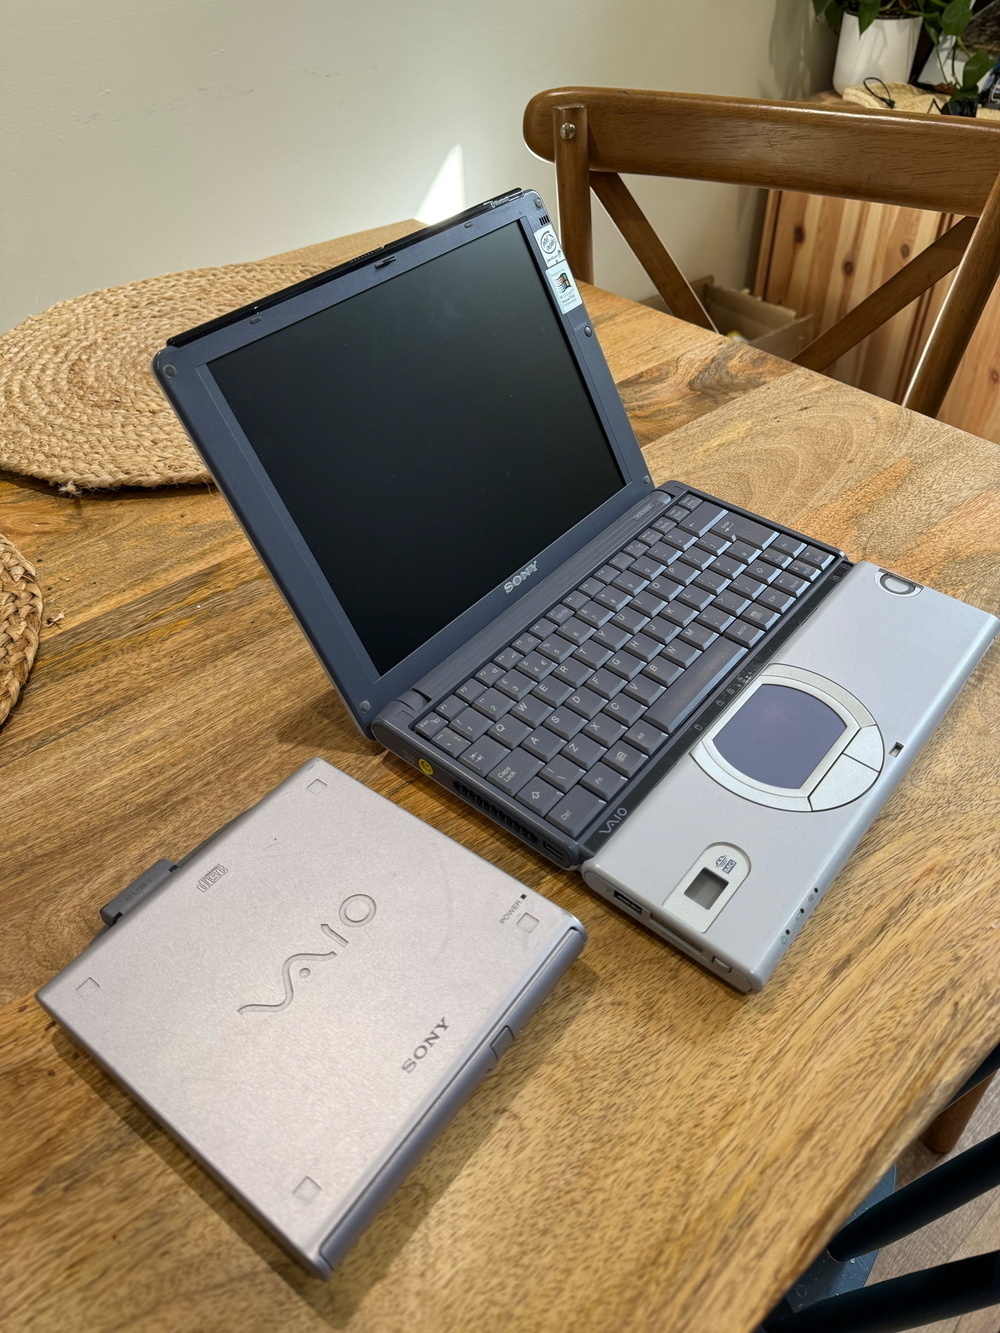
(656, 1152)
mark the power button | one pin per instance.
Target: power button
(894, 583)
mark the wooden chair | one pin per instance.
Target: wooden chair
(916, 161)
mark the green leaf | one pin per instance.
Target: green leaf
(978, 64)
(868, 13)
(956, 17)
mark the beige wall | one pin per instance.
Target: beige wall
(141, 138)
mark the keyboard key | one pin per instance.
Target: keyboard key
(575, 811)
(697, 597)
(525, 643)
(606, 573)
(493, 704)
(538, 796)
(690, 501)
(508, 658)
(544, 743)
(562, 773)
(430, 725)
(761, 616)
(531, 710)
(789, 583)
(715, 619)
(593, 654)
(645, 689)
(452, 706)
(625, 665)
(650, 536)
(683, 573)
(606, 683)
(515, 683)
(663, 631)
(560, 614)
(663, 524)
(680, 541)
(743, 552)
(575, 600)
(776, 558)
(536, 666)
(712, 579)
(624, 759)
(698, 635)
(663, 589)
(679, 614)
(595, 613)
(662, 672)
(648, 603)
(803, 571)
(591, 587)
(741, 632)
(490, 673)
(611, 637)
(620, 561)
(812, 555)
(603, 781)
(451, 742)
(712, 541)
(629, 619)
(682, 698)
(641, 645)
(746, 587)
(644, 737)
(624, 709)
(789, 545)
(586, 702)
(513, 772)
(552, 691)
(698, 559)
(647, 567)
(484, 756)
(556, 648)
(776, 599)
(603, 729)
(706, 516)
(726, 566)
(541, 629)
(681, 654)
(761, 571)
(470, 724)
(677, 512)
(630, 582)
(637, 548)
(731, 602)
(471, 690)
(613, 598)
(583, 750)
(744, 530)
(576, 630)
(663, 553)
(510, 730)
(572, 672)
(565, 723)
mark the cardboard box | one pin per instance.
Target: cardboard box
(773, 328)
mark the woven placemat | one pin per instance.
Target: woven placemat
(20, 619)
(79, 406)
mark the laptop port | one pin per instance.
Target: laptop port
(628, 902)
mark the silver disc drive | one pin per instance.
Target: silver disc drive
(307, 999)
(730, 852)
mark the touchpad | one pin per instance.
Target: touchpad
(779, 735)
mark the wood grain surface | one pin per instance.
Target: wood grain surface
(656, 1152)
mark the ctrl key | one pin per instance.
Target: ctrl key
(575, 811)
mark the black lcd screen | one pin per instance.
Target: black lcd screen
(779, 735)
(428, 436)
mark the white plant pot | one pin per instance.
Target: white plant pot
(883, 51)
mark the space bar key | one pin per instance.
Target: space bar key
(681, 699)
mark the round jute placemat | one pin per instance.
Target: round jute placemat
(79, 406)
(20, 619)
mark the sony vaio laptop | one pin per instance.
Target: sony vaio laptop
(309, 996)
(701, 708)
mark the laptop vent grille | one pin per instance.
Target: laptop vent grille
(494, 813)
(543, 219)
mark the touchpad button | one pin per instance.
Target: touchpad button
(779, 735)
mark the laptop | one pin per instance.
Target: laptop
(699, 707)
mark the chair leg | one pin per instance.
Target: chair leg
(945, 1130)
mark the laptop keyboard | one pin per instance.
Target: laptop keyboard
(574, 708)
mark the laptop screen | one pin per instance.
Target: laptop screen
(428, 436)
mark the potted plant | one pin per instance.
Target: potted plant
(878, 39)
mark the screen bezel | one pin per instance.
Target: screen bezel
(240, 475)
